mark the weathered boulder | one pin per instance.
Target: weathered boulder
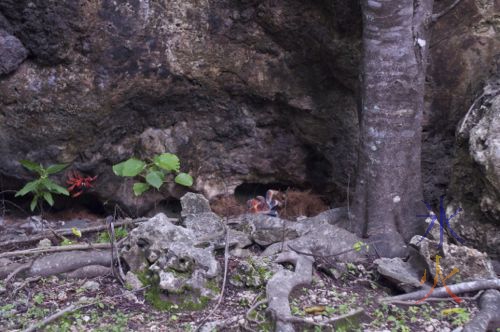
(169, 252)
(402, 274)
(476, 175)
(192, 203)
(471, 263)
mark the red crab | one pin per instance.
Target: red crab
(79, 183)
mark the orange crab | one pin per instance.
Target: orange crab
(267, 205)
(79, 183)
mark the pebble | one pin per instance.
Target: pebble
(429, 328)
(45, 243)
(91, 285)
(86, 318)
(62, 296)
(318, 318)
(83, 299)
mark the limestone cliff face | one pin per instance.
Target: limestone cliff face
(242, 91)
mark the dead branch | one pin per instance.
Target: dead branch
(68, 232)
(332, 255)
(19, 269)
(252, 308)
(464, 287)
(115, 256)
(442, 299)
(72, 247)
(489, 305)
(52, 318)
(24, 283)
(437, 16)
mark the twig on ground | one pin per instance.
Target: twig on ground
(20, 269)
(332, 255)
(68, 309)
(53, 317)
(15, 205)
(326, 323)
(34, 251)
(24, 283)
(464, 287)
(438, 299)
(115, 256)
(252, 308)
(64, 232)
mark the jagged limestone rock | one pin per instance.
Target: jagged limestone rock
(471, 263)
(177, 266)
(400, 273)
(194, 204)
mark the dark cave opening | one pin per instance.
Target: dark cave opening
(246, 191)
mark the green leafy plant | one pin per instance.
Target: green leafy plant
(460, 315)
(155, 172)
(120, 233)
(43, 187)
(360, 245)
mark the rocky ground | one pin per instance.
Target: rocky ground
(335, 290)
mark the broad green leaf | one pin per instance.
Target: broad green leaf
(131, 167)
(52, 169)
(140, 188)
(34, 201)
(76, 232)
(48, 198)
(34, 167)
(155, 178)
(55, 188)
(184, 179)
(167, 161)
(28, 187)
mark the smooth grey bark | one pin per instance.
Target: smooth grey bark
(389, 187)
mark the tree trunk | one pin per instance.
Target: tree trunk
(388, 192)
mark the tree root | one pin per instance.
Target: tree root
(34, 251)
(489, 305)
(57, 263)
(280, 286)
(464, 287)
(67, 232)
(90, 271)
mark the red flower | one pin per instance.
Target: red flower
(79, 183)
